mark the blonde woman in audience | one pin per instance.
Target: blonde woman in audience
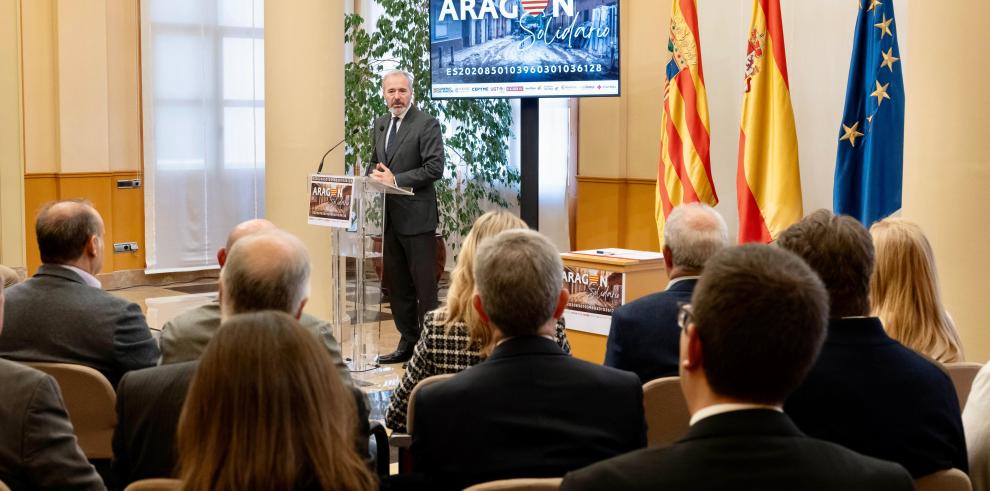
(454, 337)
(266, 410)
(904, 291)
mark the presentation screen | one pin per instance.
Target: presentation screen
(524, 48)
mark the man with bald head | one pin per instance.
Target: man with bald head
(263, 269)
(644, 336)
(184, 338)
(62, 314)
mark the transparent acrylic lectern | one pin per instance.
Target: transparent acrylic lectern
(356, 269)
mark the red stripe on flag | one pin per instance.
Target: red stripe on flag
(662, 189)
(752, 227)
(689, 9)
(699, 134)
(675, 152)
(775, 28)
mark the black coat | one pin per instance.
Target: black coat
(746, 450)
(528, 411)
(644, 337)
(869, 393)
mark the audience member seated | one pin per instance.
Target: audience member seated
(644, 335)
(8, 277)
(868, 392)
(976, 421)
(184, 338)
(529, 410)
(904, 291)
(61, 314)
(750, 335)
(38, 449)
(267, 409)
(454, 337)
(264, 271)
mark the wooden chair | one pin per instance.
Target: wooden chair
(90, 400)
(944, 480)
(403, 441)
(155, 485)
(3, 487)
(667, 416)
(962, 375)
(524, 484)
(412, 396)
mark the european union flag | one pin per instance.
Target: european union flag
(869, 162)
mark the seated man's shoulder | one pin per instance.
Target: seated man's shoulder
(207, 314)
(16, 376)
(845, 466)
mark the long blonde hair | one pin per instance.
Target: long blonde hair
(268, 410)
(459, 307)
(904, 291)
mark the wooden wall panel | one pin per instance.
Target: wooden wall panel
(128, 221)
(615, 212)
(599, 206)
(38, 190)
(122, 211)
(95, 187)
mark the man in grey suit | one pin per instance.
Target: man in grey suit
(266, 270)
(408, 152)
(184, 338)
(38, 448)
(62, 315)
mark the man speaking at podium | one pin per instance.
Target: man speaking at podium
(408, 153)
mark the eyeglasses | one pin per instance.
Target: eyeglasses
(685, 315)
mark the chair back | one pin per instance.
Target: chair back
(412, 397)
(962, 375)
(667, 416)
(89, 400)
(3, 487)
(155, 485)
(944, 480)
(524, 484)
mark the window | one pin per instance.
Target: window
(204, 125)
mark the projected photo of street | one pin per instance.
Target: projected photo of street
(514, 48)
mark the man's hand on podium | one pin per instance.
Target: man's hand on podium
(383, 175)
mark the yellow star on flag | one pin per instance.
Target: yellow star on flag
(851, 133)
(888, 59)
(874, 4)
(880, 93)
(884, 26)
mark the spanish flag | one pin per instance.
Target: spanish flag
(685, 171)
(768, 180)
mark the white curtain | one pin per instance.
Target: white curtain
(204, 126)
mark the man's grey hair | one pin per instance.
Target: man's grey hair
(265, 271)
(397, 71)
(694, 232)
(519, 276)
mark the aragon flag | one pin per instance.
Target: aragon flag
(869, 160)
(685, 171)
(768, 180)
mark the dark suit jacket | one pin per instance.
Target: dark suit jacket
(528, 411)
(417, 162)
(869, 393)
(38, 448)
(644, 337)
(149, 403)
(750, 449)
(56, 317)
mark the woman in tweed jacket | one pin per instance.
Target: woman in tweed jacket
(454, 337)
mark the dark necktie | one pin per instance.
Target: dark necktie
(390, 146)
